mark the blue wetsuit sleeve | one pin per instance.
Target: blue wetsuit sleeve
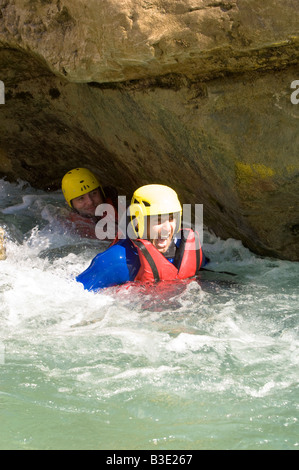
(117, 265)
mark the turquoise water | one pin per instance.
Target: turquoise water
(205, 364)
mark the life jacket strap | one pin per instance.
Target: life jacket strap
(181, 249)
(149, 259)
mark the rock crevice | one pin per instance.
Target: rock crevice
(194, 94)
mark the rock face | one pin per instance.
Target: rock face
(193, 94)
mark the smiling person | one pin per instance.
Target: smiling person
(84, 193)
(157, 249)
(166, 252)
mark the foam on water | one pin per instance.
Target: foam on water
(206, 363)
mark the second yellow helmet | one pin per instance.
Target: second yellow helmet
(78, 182)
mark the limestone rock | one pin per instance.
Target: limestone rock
(195, 94)
(117, 40)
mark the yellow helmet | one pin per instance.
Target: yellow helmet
(78, 182)
(153, 199)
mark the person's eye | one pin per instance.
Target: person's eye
(166, 218)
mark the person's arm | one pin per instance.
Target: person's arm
(117, 265)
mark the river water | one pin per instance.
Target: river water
(210, 363)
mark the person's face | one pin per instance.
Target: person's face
(87, 204)
(160, 231)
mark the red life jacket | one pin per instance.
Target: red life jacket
(155, 267)
(85, 226)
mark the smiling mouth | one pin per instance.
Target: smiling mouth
(162, 242)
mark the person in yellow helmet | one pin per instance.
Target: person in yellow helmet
(83, 194)
(155, 213)
(156, 248)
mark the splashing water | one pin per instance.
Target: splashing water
(210, 363)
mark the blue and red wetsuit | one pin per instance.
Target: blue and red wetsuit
(138, 260)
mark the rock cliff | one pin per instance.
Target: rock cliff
(195, 94)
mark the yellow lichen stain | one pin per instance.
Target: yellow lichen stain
(254, 180)
(256, 170)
